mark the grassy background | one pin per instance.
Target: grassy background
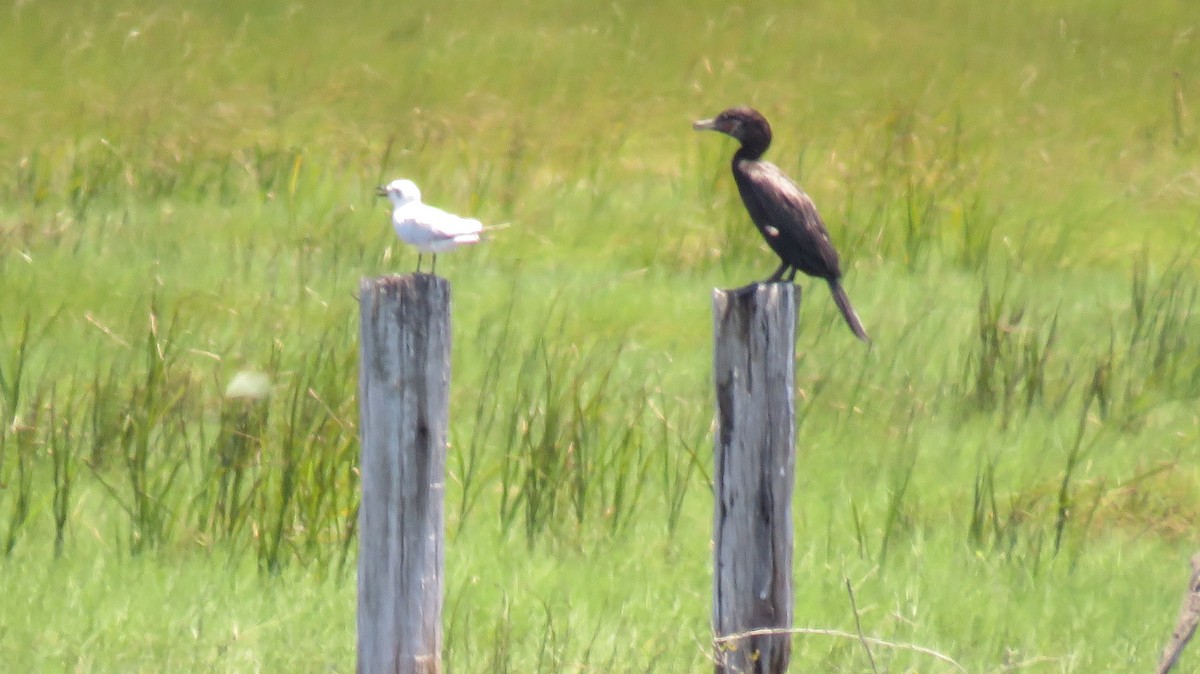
(1008, 477)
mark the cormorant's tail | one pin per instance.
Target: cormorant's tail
(843, 303)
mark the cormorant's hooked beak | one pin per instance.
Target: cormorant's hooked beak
(381, 191)
(705, 125)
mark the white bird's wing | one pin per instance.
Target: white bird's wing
(431, 228)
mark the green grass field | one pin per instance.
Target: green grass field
(1009, 477)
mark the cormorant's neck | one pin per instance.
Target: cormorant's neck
(752, 148)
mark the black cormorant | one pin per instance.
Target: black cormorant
(783, 213)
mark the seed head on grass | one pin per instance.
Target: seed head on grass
(248, 384)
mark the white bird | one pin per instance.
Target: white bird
(426, 228)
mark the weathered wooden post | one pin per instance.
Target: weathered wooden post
(404, 386)
(754, 332)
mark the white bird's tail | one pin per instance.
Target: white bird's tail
(486, 231)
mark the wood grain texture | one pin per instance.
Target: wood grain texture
(754, 331)
(404, 384)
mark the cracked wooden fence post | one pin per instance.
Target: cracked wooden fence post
(404, 382)
(754, 333)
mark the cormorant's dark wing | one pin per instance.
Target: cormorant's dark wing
(787, 218)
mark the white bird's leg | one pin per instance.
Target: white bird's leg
(418, 262)
(433, 266)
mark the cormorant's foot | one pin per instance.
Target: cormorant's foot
(754, 285)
